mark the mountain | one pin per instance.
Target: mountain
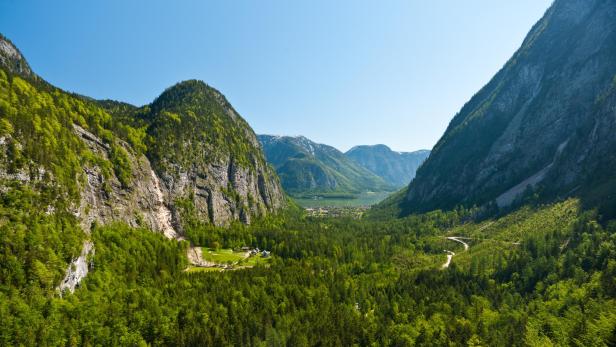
(187, 156)
(396, 168)
(12, 60)
(203, 149)
(543, 126)
(308, 167)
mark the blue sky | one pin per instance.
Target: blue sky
(341, 72)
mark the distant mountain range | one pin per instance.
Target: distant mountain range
(396, 168)
(306, 167)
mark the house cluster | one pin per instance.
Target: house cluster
(256, 251)
(353, 212)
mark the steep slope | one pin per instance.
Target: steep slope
(308, 167)
(12, 60)
(396, 168)
(544, 124)
(206, 152)
(70, 163)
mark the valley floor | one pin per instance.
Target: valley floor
(365, 199)
(537, 276)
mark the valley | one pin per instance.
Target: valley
(173, 223)
(364, 199)
(318, 175)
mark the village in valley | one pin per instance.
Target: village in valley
(335, 212)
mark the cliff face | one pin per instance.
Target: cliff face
(96, 162)
(105, 199)
(116, 162)
(543, 124)
(205, 152)
(12, 60)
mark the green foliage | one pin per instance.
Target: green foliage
(308, 168)
(36, 246)
(37, 123)
(192, 124)
(541, 275)
(121, 164)
(330, 282)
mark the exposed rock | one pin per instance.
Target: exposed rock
(104, 200)
(163, 214)
(222, 192)
(77, 269)
(558, 88)
(12, 60)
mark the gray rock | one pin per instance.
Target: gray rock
(556, 94)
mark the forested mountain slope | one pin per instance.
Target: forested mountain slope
(539, 276)
(68, 163)
(190, 137)
(396, 168)
(308, 167)
(543, 125)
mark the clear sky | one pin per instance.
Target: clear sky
(340, 72)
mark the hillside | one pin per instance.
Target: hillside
(542, 128)
(306, 167)
(66, 159)
(396, 168)
(164, 225)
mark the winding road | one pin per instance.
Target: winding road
(450, 254)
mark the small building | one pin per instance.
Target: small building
(265, 254)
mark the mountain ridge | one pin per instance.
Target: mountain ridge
(540, 126)
(306, 167)
(396, 168)
(131, 155)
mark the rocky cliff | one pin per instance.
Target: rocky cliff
(205, 152)
(117, 162)
(94, 162)
(12, 60)
(543, 126)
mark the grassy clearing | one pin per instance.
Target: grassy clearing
(255, 260)
(228, 259)
(222, 256)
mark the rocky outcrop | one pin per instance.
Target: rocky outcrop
(104, 199)
(222, 191)
(78, 269)
(204, 152)
(543, 124)
(12, 60)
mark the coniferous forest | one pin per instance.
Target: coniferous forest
(164, 224)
